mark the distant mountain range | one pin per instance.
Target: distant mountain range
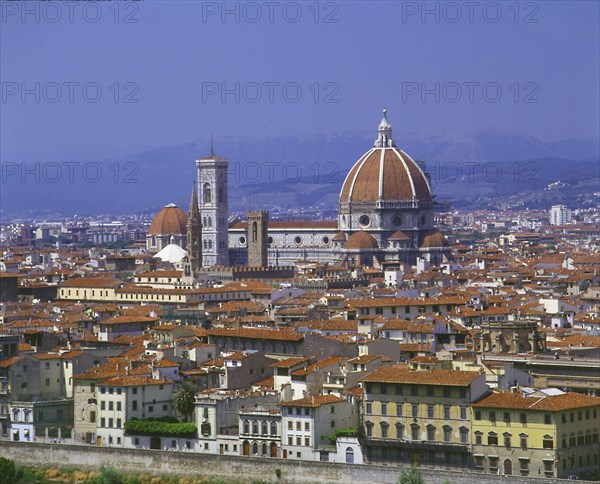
(477, 169)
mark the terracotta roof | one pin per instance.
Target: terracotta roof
(290, 362)
(402, 374)
(10, 361)
(170, 220)
(361, 240)
(128, 319)
(433, 239)
(131, 381)
(104, 282)
(399, 235)
(256, 333)
(332, 360)
(313, 401)
(549, 403)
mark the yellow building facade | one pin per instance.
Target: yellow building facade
(542, 433)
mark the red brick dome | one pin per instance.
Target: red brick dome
(361, 240)
(171, 220)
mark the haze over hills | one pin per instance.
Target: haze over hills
(479, 168)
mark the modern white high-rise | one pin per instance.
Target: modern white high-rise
(560, 215)
(214, 210)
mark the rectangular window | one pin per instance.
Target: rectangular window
(548, 442)
(134, 405)
(523, 418)
(118, 406)
(524, 442)
(118, 423)
(383, 409)
(477, 414)
(290, 425)
(507, 417)
(492, 415)
(415, 410)
(478, 439)
(383, 388)
(298, 425)
(110, 405)
(430, 391)
(524, 466)
(307, 441)
(290, 440)
(102, 405)
(463, 413)
(102, 422)
(507, 441)
(548, 418)
(492, 439)
(298, 440)
(430, 411)
(369, 408)
(111, 423)
(447, 412)
(307, 426)
(398, 410)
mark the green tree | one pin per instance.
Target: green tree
(183, 398)
(7, 471)
(412, 476)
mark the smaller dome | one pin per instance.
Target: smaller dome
(361, 240)
(433, 239)
(399, 235)
(170, 220)
(171, 253)
(339, 236)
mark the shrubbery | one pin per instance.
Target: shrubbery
(156, 428)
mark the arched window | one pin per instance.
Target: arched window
(210, 244)
(430, 433)
(264, 429)
(210, 221)
(207, 193)
(205, 222)
(246, 427)
(154, 241)
(264, 449)
(273, 428)
(254, 231)
(255, 428)
(349, 455)
(255, 448)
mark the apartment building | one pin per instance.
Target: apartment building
(419, 417)
(541, 433)
(306, 421)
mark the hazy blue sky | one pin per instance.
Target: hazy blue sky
(528, 66)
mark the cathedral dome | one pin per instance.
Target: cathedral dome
(361, 240)
(433, 239)
(171, 220)
(385, 173)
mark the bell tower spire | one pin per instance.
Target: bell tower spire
(194, 235)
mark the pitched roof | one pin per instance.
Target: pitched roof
(313, 401)
(402, 374)
(547, 403)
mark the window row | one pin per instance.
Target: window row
(416, 390)
(415, 432)
(264, 427)
(398, 409)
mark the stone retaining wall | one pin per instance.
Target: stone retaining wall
(247, 468)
